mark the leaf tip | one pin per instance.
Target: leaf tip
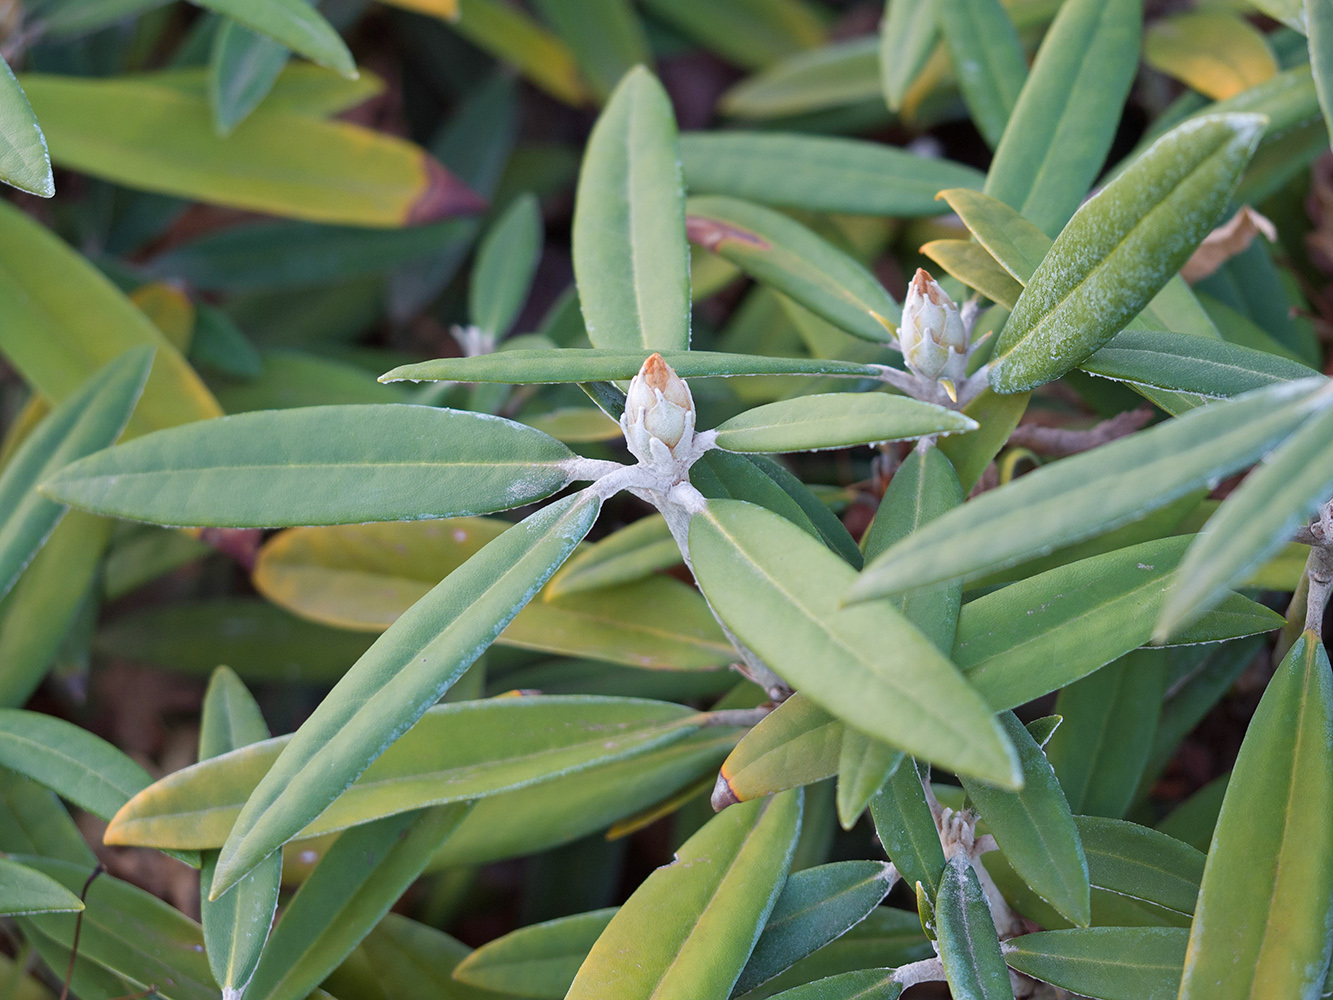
(723, 795)
(442, 196)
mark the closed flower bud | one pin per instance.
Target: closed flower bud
(931, 328)
(659, 413)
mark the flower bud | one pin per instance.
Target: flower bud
(931, 327)
(659, 413)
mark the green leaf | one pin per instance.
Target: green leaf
(24, 162)
(401, 959)
(906, 828)
(631, 261)
(777, 589)
(1106, 963)
(624, 556)
(542, 816)
(966, 938)
(816, 906)
(365, 576)
(146, 134)
(819, 173)
(34, 821)
(1319, 25)
(1096, 491)
(836, 420)
(780, 252)
(1141, 863)
(60, 320)
(506, 261)
(320, 465)
(988, 59)
(830, 76)
(796, 744)
(1035, 829)
(530, 366)
(972, 264)
(517, 39)
(242, 69)
(1254, 522)
(706, 909)
(348, 893)
(605, 36)
(403, 674)
(457, 752)
(998, 415)
(236, 926)
(907, 36)
(24, 890)
(1188, 363)
(89, 420)
(1267, 895)
(1100, 753)
(294, 23)
(750, 33)
(1062, 126)
(863, 984)
(540, 960)
(864, 764)
(37, 613)
(1046, 631)
(265, 642)
(126, 931)
(1128, 238)
(266, 255)
(1217, 53)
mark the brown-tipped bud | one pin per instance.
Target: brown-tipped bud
(931, 328)
(658, 408)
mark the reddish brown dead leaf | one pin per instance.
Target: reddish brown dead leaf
(1226, 241)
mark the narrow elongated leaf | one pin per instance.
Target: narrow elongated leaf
(1217, 53)
(125, 931)
(536, 961)
(830, 76)
(816, 906)
(706, 907)
(1096, 491)
(1035, 829)
(822, 174)
(1062, 126)
(402, 675)
(988, 58)
(1141, 863)
(1187, 363)
(517, 39)
(782, 253)
(998, 415)
(61, 320)
(236, 926)
(1128, 237)
(528, 366)
(777, 589)
(242, 69)
(796, 744)
(350, 890)
(1110, 718)
(86, 422)
(907, 36)
(623, 556)
(906, 828)
(966, 937)
(506, 262)
(34, 821)
(1048, 630)
(863, 984)
(1105, 963)
(1319, 26)
(24, 890)
(864, 764)
(836, 420)
(972, 264)
(294, 23)
(148, 135)
(750, 33)
(24, 162)
(631, 260)
(1255, 521)
(457, 752)
(605, 36)
(1267, 894)
(320, 465)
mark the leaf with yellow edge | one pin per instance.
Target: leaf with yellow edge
(61, 320)
(140, 133)
(170, 309)
(1218, 53)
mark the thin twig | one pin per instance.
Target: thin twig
(78, 929)
(1058, 442)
